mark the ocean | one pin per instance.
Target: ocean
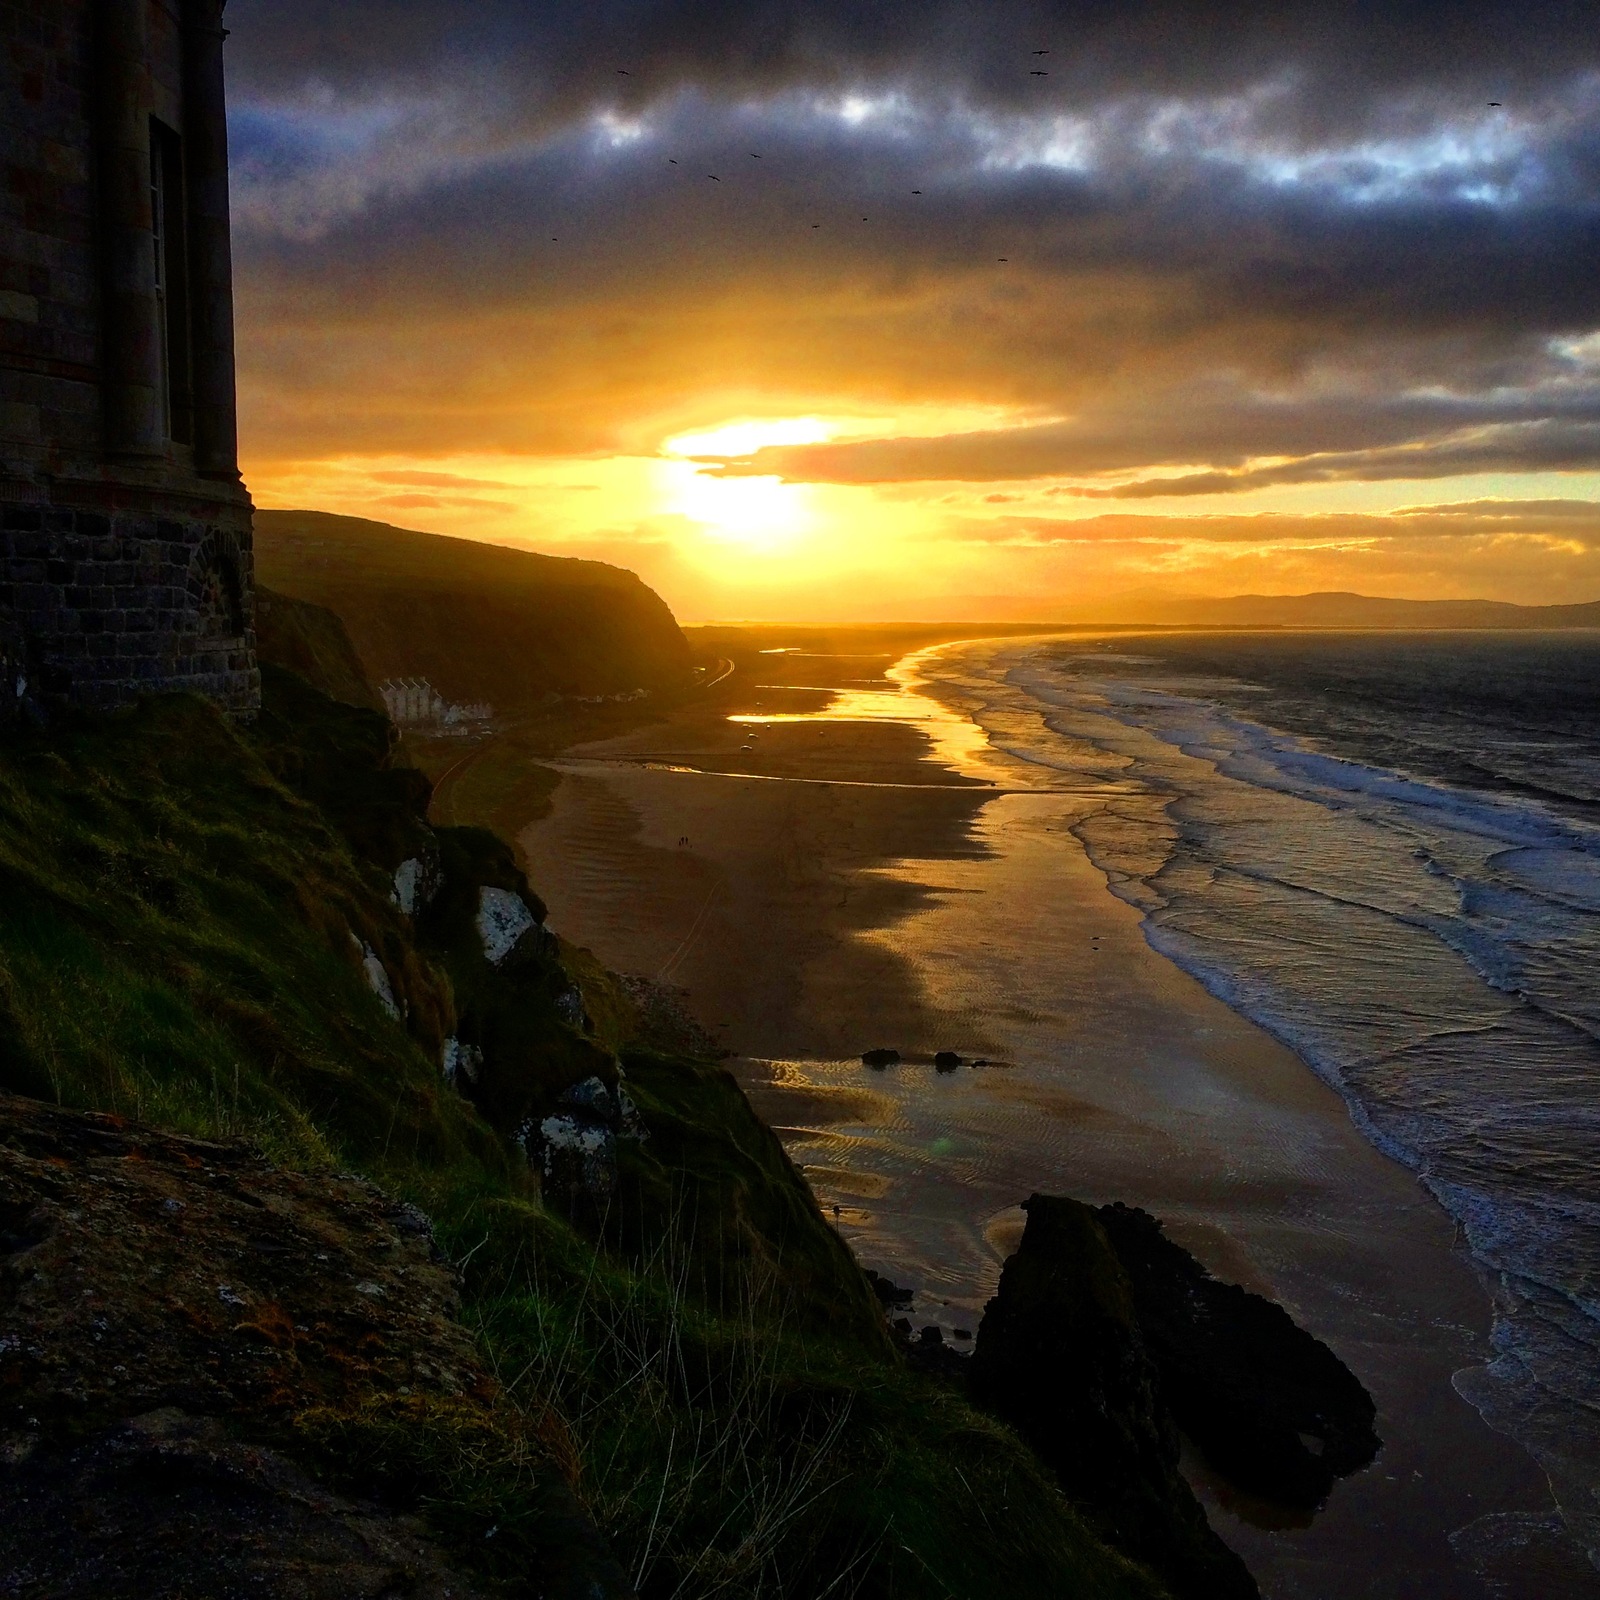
(1288, 938)
(1385, 850)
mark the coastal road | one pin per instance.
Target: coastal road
(441, 808)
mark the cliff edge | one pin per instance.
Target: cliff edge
(481, 622)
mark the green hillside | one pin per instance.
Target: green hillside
(481, 622)
(311, 641)
(252, 933)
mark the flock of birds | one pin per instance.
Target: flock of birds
(1033, 72)
(624, 72)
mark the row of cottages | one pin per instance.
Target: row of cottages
(125, 548)
(414, 702)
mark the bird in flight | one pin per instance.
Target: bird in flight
(754, 156)
(916, 191)
(713, 177)
(1041, 52)
(1002, 258)
(1038, 73)
(1494, 102)
(671, 162)
(622, 72)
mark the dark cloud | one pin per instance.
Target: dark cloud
(1554, 427)
(1529, 447)
(554, 59)
(1574, 523)
(1246, 246)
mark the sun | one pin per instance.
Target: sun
(761, 515)
(765, 515)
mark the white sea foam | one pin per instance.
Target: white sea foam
(1429, 946)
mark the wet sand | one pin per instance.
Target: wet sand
(836, 887)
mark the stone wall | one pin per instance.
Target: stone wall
(106, 607)
(125, 540)
(50, 412)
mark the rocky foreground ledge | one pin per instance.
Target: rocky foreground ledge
(202, 1356)
(180, 1324)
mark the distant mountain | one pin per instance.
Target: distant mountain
(1335, 609)
(479, 621)
(1331, 609)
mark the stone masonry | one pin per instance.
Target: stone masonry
(125, 543)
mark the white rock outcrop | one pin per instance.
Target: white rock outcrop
(582, 1151)
(502, 921)
(408, 882)
(377, 977)
(456, 1057)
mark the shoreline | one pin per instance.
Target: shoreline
(808, 921)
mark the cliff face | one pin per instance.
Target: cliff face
(481, 622)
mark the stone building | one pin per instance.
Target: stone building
(125, 551)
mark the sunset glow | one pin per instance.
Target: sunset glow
(927, 331)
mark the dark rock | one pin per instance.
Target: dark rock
(889, 1294)
(947, 1061)
(879, 1058)
(961, 1333)
(168, 1504)
(1271, 1407)
(1060, 1356)
(172, 1310)
(927, 1352)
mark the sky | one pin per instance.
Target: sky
(853, 310)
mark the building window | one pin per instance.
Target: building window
(167, 212)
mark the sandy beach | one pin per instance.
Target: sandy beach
(825, 885)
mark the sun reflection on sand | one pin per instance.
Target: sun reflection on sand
(957, 741)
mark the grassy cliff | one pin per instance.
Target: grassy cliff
(311, 641)
(253, 934)
(480, 621)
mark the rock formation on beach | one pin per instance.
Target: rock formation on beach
(1105, 1339)
(1272, 1408)
(1060, 1357)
